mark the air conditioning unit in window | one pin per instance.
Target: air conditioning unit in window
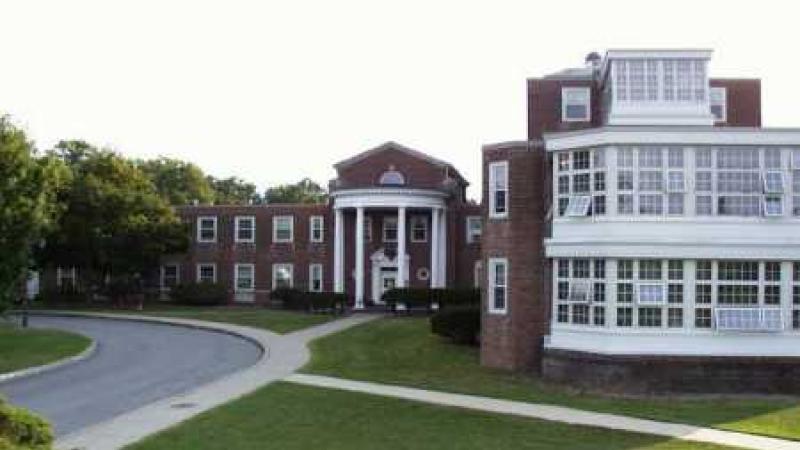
(579, 292)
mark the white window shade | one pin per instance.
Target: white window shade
(650, 294)
(749, 319)
(773, 183)
(579, 292)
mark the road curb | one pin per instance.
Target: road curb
(87, 353)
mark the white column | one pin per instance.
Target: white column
(442, 278)
(359, 303)
(434, 272)
(338, 251)
(401, 246)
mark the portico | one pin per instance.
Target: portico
(392, 261)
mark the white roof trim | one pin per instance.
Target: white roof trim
(667, 135)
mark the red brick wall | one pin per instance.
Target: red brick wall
(544, 106)
(514, 340)
(418, 172)
(744, 101)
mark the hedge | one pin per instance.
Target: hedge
(414, 298)
(298, 300)
(23, 430)
(200, 294)
(461, 324)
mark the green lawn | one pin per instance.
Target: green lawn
(23, 348)
(278, 321)
(402, 351)
(287, 417)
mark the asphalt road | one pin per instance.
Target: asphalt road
(135, 364)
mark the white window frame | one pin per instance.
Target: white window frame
(388, 220)
(200, 269)
(72, 277)
(275, 220)
(471, 233)
(162, 274)
(586, 100)
(660, 285)
(236, 268)
(276, 267)
(238, 226)
(312, 268)
(200, 220)
(493, 189)
(416, 220)
(491, 285)
(580, 292)
(781, 185)
(316, 223)
(723, 101)
(578, 206)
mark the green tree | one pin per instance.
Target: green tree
(27, 208)
(233, 191)
(304, 191)
(179, 182)
(115, 226)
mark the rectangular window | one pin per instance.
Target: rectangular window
(773, 183)
(245, 228)
(563, 268)
(599, 316)
(563, 184)
(772, 295)
(282, 276)
(737, 294)
(650, 317)
(498, 189)
(170, 276)
(575, 104)
(636, 80)
(563, 314)
(580, 314)
(283, 229)
(651, 204)
(474, 229)
(207, 229)
(598, 205)
(419, 229)
(580, 268)
(599, 269)
(206, 273)
(702, 317)
(772, 159)
(316, 229)
(717, 98)
(245, 277)
(704, 205)
(599, 181)
(498, 288)
(625, 180)
(702, 294)
(675, 318)
(625, 204)
(625, 269)
(675, 293)
(703, 270)
(651, 294)
(563, 162)
(579, 206)
(675, 204)
(624, 293)
(66, 278)
(624, 317)
(676, 182)
(315, 277)
(367, 229)
(599, 293)
(772, 271)
(389, 229)
(675, 269)
(650, 269)
(703, 182)
(581, 183)
(737, 271)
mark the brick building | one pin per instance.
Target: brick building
(349, 245)
(645, 236)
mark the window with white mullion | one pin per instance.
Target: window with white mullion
(581, 185)
(795, 298)
(579, 292)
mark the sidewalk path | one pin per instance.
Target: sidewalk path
(283, 354)
(552, 413)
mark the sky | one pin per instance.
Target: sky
(276, 91)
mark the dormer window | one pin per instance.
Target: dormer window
(718, 100)
(392, 178)
(575, 104)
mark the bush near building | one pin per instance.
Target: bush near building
(23, 430)
(200, 294)
(426, 298)
(461, 324)
(297, 300)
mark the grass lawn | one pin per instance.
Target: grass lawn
(286, 416)
(402, 351)
(278, 321)
(20, 349)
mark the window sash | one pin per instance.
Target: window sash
(317, 228)
(498, 187)
(498, 289)
(245, 228)
(206, 229)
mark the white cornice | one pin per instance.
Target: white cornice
(672, 136)
(388, 197)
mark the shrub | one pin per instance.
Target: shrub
(297, 300)
(425, 297)
(61, 295)
(462, 324)
(23, 430)
(200, 294)
(289, 298)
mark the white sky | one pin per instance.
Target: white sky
(275, 91)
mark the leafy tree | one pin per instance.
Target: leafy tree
(304, 191)
(233, 191)
(180, 182)
(27, 208)
(115, 225)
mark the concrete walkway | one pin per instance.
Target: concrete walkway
(283, 354)
(552, 413)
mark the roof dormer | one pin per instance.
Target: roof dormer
(656, 87)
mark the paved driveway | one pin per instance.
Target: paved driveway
(135, 364)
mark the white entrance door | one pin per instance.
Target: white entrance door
(388, 281)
